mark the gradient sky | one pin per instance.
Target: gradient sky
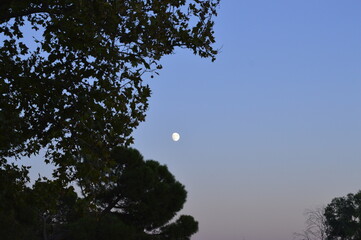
(273, 127)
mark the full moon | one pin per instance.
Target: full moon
(175, 136)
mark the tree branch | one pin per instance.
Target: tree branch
(111, 205)
(10, 9)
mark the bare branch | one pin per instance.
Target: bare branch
(315, 225)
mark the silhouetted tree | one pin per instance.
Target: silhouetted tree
(34, 212)
(343, 217)
(17, 217)
(139, 202)
(78, 89)
(144, 194)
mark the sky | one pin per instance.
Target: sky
(272, 127)
(268, 130)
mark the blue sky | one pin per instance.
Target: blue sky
(273, 127)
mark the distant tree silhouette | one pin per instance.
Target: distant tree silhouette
(339, 220)
(343, 216)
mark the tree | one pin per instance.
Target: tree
(34, 212)
(138, 203)
(316, 227)
(343, 217)
(146, 195)
(17, 218)
(78, 90)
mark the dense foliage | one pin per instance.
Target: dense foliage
(140, 203)
(78, 89)
(343, 217)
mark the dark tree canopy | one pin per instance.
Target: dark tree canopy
(135, 188)
(16, 216)
(138, 203)
(343, 217)
(78, 90)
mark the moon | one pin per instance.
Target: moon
(175, 137)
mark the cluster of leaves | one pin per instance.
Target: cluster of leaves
(343, 217)
(139, 203)
(78, 90)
